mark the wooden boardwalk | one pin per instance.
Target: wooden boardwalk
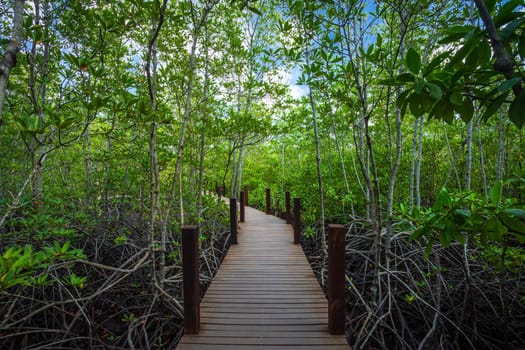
(265, 295)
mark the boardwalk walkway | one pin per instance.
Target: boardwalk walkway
(265, 295)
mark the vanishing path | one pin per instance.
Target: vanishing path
(265, 295)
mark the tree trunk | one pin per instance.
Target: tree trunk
(482, 160)
(38, 73)
(204, 117)
(451, 156)
(418, 164)
(501, 147)
(154, 176)
(413, 165)
(317, 159)
(342, 163)
(468, 158)
(319, 170)
(8, 60)
(88, 172)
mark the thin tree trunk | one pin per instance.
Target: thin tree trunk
(38, 73)
(234, 173)
(107, 181)
(8, 60)
(418, 164)
(204, 118)
(238, 175)
(413, 165)
(88, 173)
(395, 161)
(154, 178)
(395, 165)
(318, 163)
(317, 159)
(468, 160)
(362, 157)
(482, 160)
(342, 162)
(451, 156)
(501, 147)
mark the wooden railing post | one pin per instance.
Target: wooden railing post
(336, 279)
(246, 195)
(233, 220)
(296, 220)
(287, 205)
(190, 279)
(241, 205)
(267, 201)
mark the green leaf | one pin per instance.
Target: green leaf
(414, 103)
(515, 212)
(65, 247)
(508, 84)
(458, 236)
(472, 59)
(490, 5)
(443, 110)
(513, 224)
(389, 82)
(506, 11)
(436, 61)
(484, 52)
(457, 59)
(466, 110)
(418, 233)
(456, 33)
(494, 106)
(456, 99)
(435, 91)
(445, 236)
(517, 110)
(428, 248)
(522, 45)
(419, 86)
(495, 193)
(519, 237)
(495, 229)
(41, 280)
(406, 78)
(413, 61)
(510, 28)
(402, 99)
(444, 197)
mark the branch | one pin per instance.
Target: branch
(504, 63)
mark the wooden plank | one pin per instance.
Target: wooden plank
(260, 347)
(263, 340)
(260, 333)
(267, 310)
(268, 327)
(266, 316)
(258, 322)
